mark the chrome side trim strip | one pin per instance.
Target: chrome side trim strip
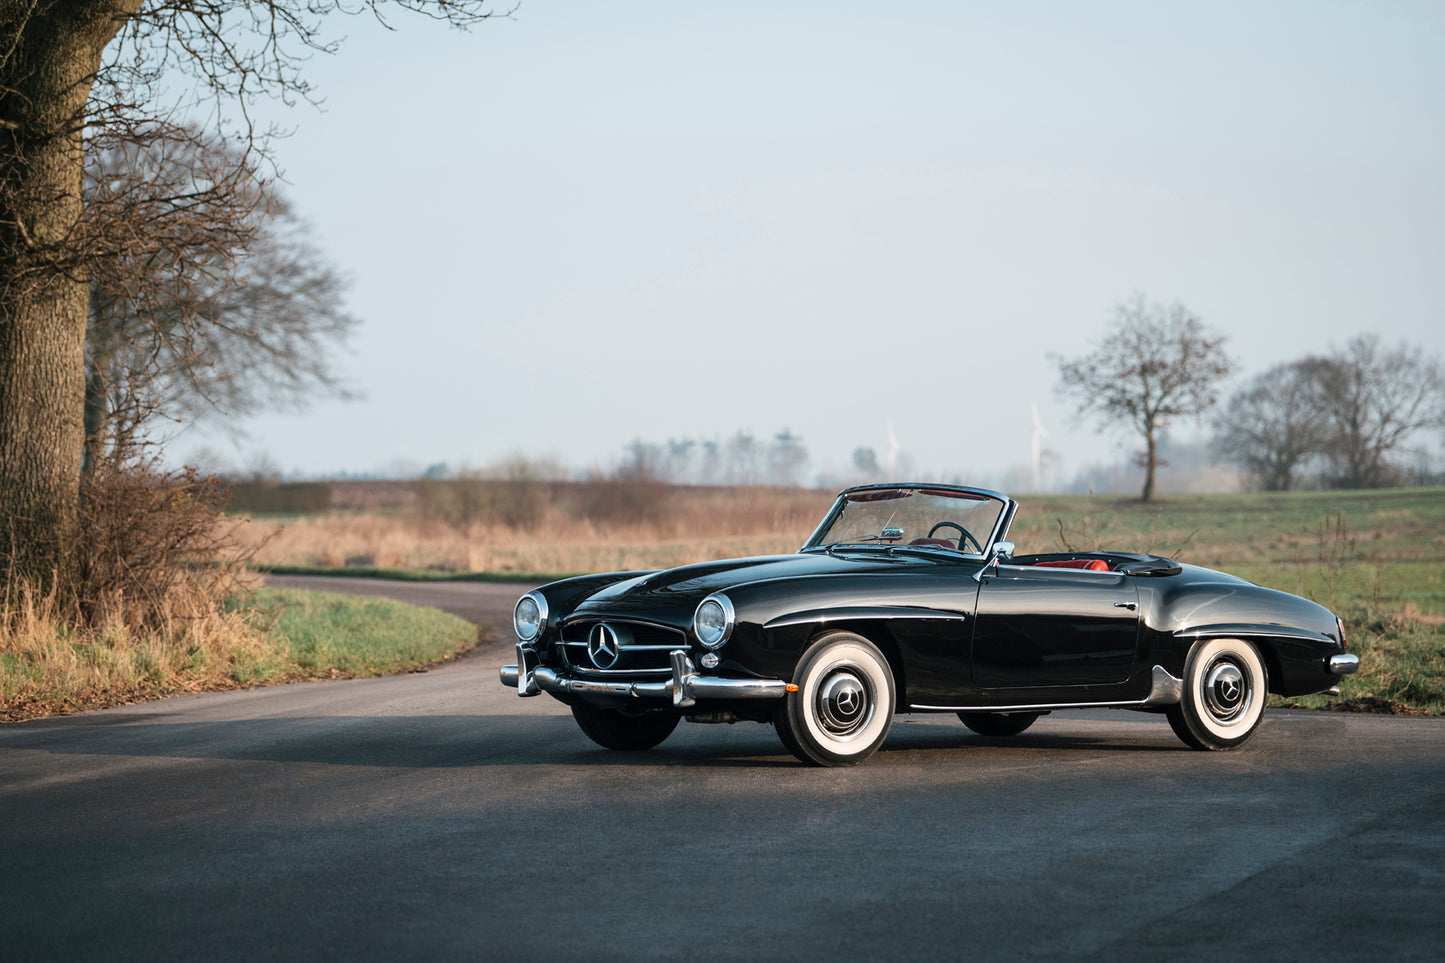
(1234, 630)
(860, 612)
(1164, 690)
(1347, 664)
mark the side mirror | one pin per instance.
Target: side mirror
(1002, 551)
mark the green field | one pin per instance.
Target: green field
(1376, 558)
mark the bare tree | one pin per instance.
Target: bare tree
(234, 313)
(1376, 401)
(72, 69)
(1156, 363)
(1275, 424)
(165, 218)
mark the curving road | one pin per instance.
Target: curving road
(437, 815)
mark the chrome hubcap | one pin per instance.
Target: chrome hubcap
(1226, 692)
(844, 703)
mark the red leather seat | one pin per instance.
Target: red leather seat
(1089, 564)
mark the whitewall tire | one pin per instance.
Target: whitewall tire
(1225, 690)
(844, 705)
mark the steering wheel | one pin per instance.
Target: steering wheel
(964, 535)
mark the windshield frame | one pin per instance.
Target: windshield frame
(1008, 508)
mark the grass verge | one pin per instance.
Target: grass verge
(359, 636)
(273, 636)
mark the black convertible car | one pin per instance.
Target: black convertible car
(908, 598)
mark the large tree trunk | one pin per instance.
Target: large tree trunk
(49, 55)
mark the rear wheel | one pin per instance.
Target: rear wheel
(999, 723)
(843, 708)
(1225, 688)
(615, 729)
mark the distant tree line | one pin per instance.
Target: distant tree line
(1348, 419)
(743, 459)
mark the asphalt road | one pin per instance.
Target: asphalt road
(437, 815)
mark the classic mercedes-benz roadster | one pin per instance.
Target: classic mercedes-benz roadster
(909, 598)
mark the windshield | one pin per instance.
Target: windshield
(954, 520)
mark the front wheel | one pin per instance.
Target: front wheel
(1225, 689)
(615, 729)
(843, 708)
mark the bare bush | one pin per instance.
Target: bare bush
(622, 498)
(141, 609)
(152, 548)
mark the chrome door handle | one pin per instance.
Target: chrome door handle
(1131, 606)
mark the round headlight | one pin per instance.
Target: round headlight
(713, 621)
(529, 618)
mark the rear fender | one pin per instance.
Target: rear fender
(1294, 658)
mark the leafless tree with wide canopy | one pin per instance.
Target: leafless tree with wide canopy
(1156, 363)
(78, 75)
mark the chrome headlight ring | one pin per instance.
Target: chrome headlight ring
(713, 621)
(529, 616)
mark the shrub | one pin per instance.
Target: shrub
(151, 548)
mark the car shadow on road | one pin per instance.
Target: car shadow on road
(467, 741)
(922, 737)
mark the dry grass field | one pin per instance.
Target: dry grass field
(554, 527)
(547, 528)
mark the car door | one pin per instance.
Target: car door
(1044, 627)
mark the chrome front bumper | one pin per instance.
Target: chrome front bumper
(683, 689)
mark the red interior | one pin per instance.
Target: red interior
(1090, 564)
(932, 541)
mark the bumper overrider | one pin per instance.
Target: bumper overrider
(684, 688)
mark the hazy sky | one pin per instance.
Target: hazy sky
(598, 222)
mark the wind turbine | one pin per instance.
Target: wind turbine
(1039, 435)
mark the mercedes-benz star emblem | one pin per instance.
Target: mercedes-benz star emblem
(1231, 689)
(603, 647)
(847, 700)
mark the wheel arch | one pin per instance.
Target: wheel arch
(1263, 644)
(876, 631)
(1281, 648)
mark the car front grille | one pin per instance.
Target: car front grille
(641, 648)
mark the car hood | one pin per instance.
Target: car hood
(672, 595)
